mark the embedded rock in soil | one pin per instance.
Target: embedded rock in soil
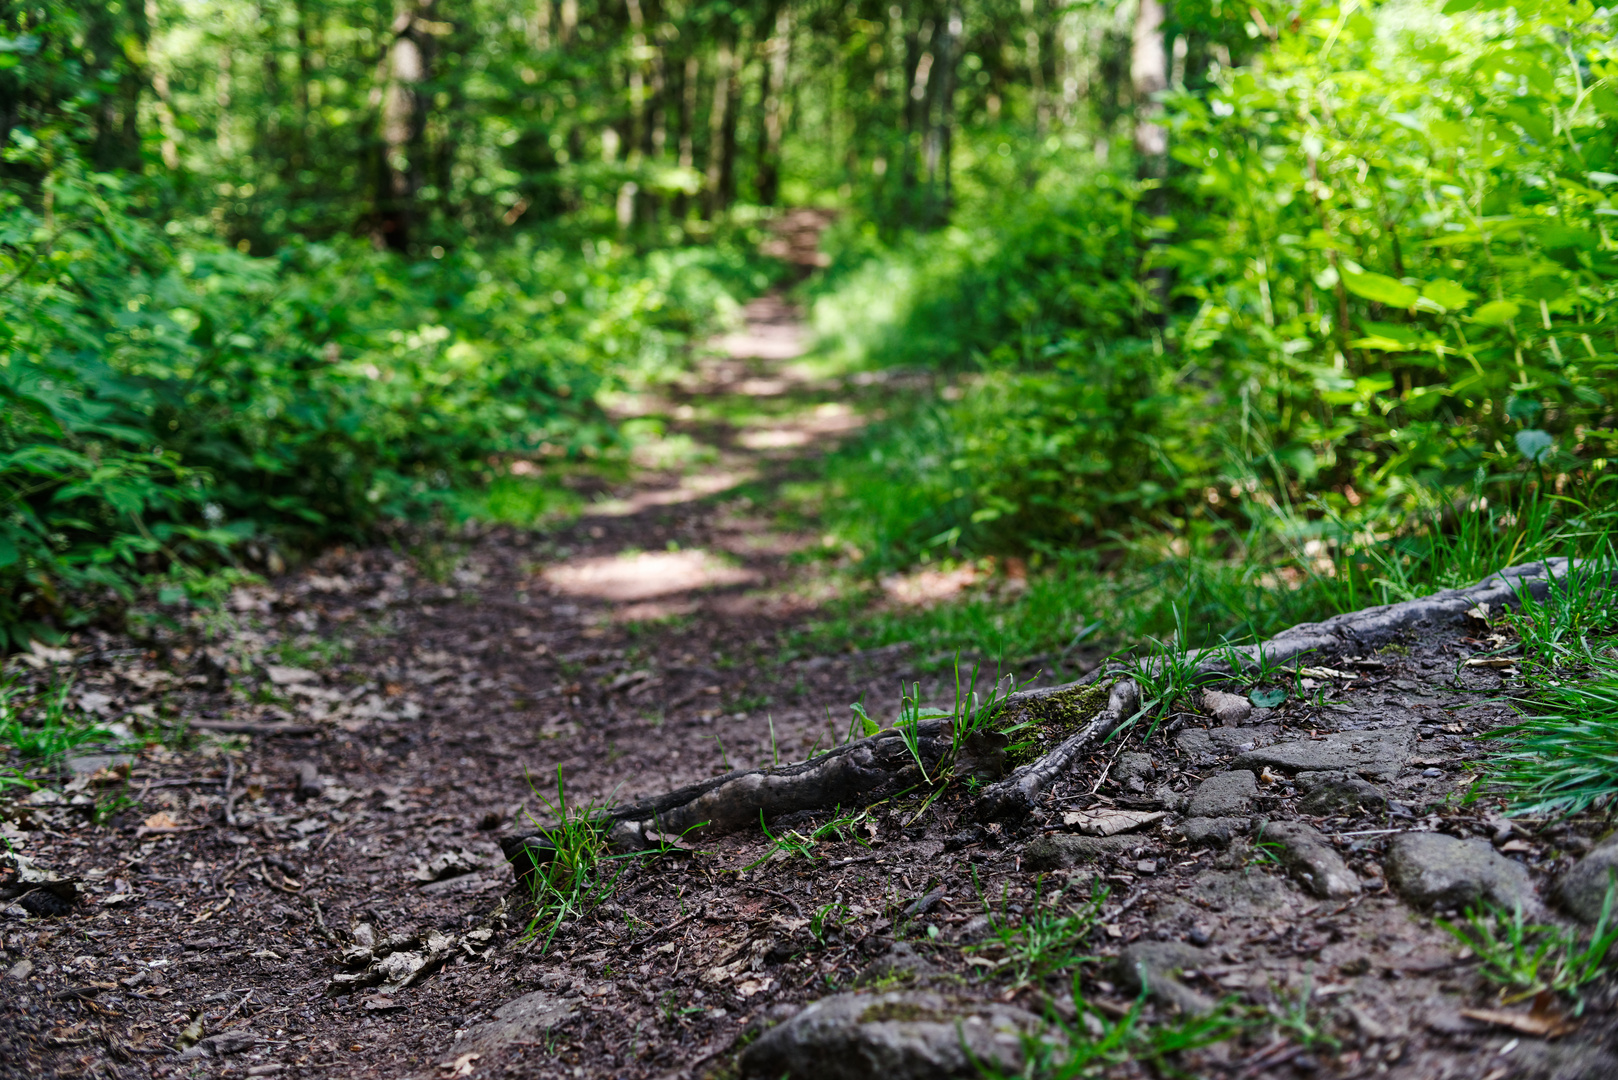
(1134, 766)
(1207, 746)
(1212, 832)
(1224, 794)
(1239, 892)
(1309, 857)
(901, 963)
(1061, 851)
(524, 1019)
(1583, 889)
(912, 1035)
(1156, 965)
(1330, 793)
(1228, 709)
(1381, 753)
(1435, 870)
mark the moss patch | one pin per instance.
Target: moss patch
(905, 1011)
(1036, 726)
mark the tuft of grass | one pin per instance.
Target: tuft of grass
(1563, 758)
(1526, 959)
(1294, 1016)
(1044, 940)
(1094, 1041)
(580, 874)
(789, 845)
(1572, 625)
(43, 727)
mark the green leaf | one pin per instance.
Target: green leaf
(1267, 699)
(8, 551)
(1380, 288)
(1447, 294)
(1534, 444)
(1496, 313)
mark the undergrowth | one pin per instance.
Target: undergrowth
(1526, 959)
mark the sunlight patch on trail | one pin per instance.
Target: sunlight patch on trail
(646, 575)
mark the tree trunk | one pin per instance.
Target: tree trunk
(1148, 74)
(719, 123)
(399, 172)
(772, 82)
(942, 137)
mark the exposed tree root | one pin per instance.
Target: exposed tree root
(871, 769)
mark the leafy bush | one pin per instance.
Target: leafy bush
(1377, 271)
(168, 398)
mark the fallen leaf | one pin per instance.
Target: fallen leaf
(1491, 661)
(1545, 1020)
(1326, 673)
(461, 1066)
(1111, 822)
(162, 821)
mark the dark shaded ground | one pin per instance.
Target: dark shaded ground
(637, 650)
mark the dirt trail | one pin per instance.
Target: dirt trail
(633, 649)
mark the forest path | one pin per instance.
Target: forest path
(365, 727)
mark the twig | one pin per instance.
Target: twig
(230, 797)
(850, 862)
(660, 931)
(236, 1008)
(796, 910)
(320, 921)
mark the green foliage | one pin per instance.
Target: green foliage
(1044, 940)
(1095, 1042)
(166, 402)
(1359, 334)
(1527, 959)
(1560, 759)
(580, 874)
(43, 727)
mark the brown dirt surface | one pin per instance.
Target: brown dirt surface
(401, 708)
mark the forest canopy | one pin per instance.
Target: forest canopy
(1312, 285)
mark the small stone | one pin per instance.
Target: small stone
(1435, 870)
(1199, 936)
(1156, 966)
(1134, 766)
(1224, 794)
(1583, 889)
(20, 971)
(1309, 858)
(1331, 793)
(1432, 774)
(1379, 753)
(1212, 832)
(901, 963)
(1228, 709)
(523, 1019)
(909, 1035)
(1064, 850)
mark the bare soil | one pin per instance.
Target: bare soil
(401, 708)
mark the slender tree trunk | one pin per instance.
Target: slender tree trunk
(718, 124)
(1148, 70)
(637, 81)
(399, 174)
(539, 25)
(570, 19)
(944, 140)
(772, 81)
(1148, 74)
